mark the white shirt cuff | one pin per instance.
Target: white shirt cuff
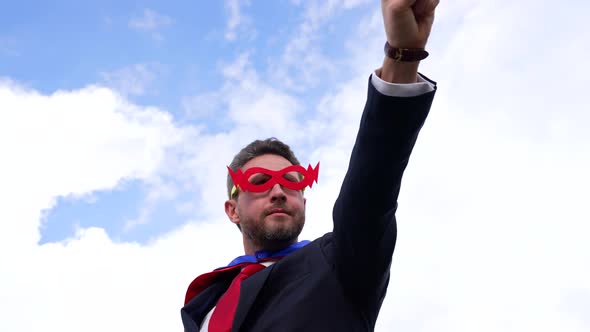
(401, 90)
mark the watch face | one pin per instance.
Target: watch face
(397, 55)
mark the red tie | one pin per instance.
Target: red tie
(223, 315)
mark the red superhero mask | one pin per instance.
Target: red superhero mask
(259, 179)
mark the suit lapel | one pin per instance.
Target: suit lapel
(193, 312)
(248, 292)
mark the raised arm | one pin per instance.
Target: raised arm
(364, 213)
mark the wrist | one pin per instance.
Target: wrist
(398, 72)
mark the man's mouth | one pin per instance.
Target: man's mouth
(277, 211)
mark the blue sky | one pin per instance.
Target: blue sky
(117, 121)
(66, 44)
(155, 54)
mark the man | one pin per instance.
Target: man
(337, 282)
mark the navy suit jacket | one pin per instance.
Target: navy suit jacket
(337, 282)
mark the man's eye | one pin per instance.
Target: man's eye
(292, 177)
(259, 179)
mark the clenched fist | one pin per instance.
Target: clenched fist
(408, 22)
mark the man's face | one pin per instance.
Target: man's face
(272, 217)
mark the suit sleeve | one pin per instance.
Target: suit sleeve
(364, 213)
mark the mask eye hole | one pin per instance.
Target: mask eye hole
(294, 177)
(258, 179)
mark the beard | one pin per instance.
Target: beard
(273, 235)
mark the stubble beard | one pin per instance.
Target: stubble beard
(269, 235)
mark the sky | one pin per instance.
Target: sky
(117, 121)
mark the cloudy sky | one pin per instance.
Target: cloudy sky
(117, 121)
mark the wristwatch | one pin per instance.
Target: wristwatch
(405, 54)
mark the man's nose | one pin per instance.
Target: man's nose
(277, 193)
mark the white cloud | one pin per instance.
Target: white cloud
(318, 11)
(250, 104)
(202, 107)
(237, 20)
(158, 191)
(133, 80)
(73, 143)
(151, 22)
(493, 202)
(303, 61)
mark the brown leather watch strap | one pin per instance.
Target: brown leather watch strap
(405, 54)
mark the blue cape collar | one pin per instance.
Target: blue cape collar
(265, 254)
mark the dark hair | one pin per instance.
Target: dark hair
(258, 148)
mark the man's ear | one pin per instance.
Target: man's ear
(231, 210)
